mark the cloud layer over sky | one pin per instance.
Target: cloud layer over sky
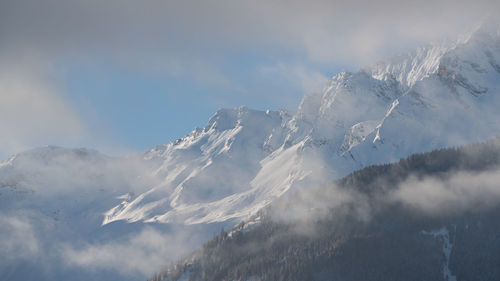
(137, 73)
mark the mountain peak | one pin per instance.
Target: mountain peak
(226, 118)
(436, 96)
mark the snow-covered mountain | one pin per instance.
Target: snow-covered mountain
(441, 95)
(52, 202)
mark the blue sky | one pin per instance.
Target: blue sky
(122, 76)
(143, 109)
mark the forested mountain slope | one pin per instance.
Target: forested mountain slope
(431, 216)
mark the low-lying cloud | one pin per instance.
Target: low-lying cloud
(461, 192)
(17, 239)
(55, 171)
(453, 194)
(144, 253)
(32, 241)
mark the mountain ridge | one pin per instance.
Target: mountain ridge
(359, 119)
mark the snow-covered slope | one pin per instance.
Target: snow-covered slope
(440, 95)
(202, 172)
(52, 202)
(68, 187)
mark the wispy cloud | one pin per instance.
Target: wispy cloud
(462, 192)
(32, 109)
(18, 239)
(432, 196)
(307, 79)
(143, 253)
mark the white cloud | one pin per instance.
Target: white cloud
(32, 110)
(18, 240)
(463, 191)
(144, 253)
(309, 80)
(451, 194)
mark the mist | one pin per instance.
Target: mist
(441, 188)
(139, 254)
(459, 193)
